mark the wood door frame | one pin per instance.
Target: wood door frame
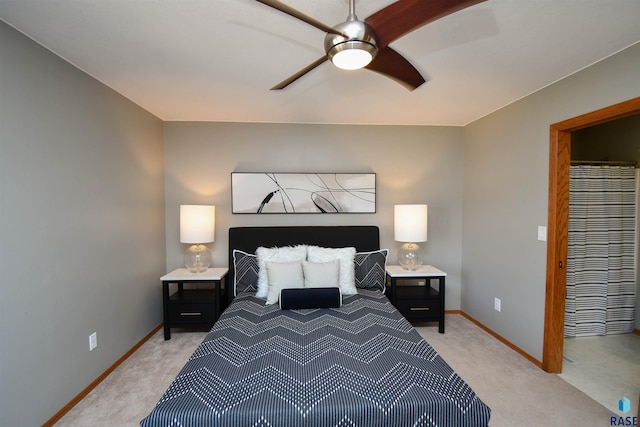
(558, 212)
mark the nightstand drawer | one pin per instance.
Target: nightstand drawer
(191, 313)
(416, 309)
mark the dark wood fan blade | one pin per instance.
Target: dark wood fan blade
(392, 64)
(299, 74)
(299, 15)
(404, 16)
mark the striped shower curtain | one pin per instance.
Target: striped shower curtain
(601, 264)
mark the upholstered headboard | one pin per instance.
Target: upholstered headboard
(363, 237)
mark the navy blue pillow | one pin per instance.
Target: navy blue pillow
(245, 267)
(371, 269)
(300, 298)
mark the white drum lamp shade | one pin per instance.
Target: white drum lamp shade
(197, 227)
(410, 227)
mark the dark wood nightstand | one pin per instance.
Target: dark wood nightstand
(419, 301)
(191, 307)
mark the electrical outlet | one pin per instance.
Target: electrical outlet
(420, 282)
(93, 341)
(496, 304)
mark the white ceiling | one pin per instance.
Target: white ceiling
(215, 60)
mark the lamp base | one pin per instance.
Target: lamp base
(409, 256)
(197, 258)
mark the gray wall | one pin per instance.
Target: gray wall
(506, 164)
(413, 164)
(81, 228)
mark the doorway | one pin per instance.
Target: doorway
(558, 213)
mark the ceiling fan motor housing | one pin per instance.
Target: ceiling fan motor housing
(360, 36)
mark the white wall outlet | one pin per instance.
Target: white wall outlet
(93, 341)
(420, 282)
(542, 233)
(497, 304)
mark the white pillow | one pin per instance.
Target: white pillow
(283, 275)
(281, 254)
(321, 274)
(345, 256)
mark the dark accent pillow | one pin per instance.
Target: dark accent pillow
(299, 298)
(245, 267)
(371, 269)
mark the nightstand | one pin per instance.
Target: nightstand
(418, 302)
(191, 307)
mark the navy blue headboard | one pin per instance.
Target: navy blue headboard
(363, 237)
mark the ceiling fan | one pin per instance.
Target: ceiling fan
(355, 44)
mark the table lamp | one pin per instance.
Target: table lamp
(197, 227)
(410, 226)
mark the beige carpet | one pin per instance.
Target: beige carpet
(519, 393)
(129, 393)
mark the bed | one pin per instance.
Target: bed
(357, 364)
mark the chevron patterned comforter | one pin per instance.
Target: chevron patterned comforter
(358, 365)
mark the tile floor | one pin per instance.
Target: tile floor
(606, 368)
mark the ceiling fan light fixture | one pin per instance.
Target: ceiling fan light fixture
(352, 55)
(352, 46)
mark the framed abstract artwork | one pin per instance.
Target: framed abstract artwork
(290, 193)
